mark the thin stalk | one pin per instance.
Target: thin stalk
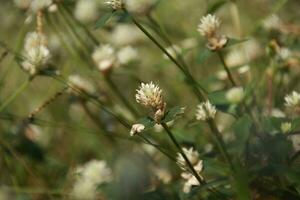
(116, 90)
(15, 94)
(171, 136)
(220, 143)
(226, 68)
(190, 79)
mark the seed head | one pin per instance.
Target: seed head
(205, 111)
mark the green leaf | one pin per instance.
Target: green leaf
(104, 19)
(173, 113)
(203, 55)
(148, 122)
(218, 98)
(233, 41)
(242, 131)
(215, 6)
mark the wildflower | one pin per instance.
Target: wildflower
(205, 111)
(190, 179)
(208, 28)
(193, 156)
(150, 95)
(86, 10)
(37, 5)
(286, 127)
(81, 84)
(272, 22)
(136, 128)
(36, 53)
(163, 175)
(104, 57)
(89, 177)
(235, 95)
(115, 4)
(141, 7)
(127, 54)
(125, 34)
(292, 100)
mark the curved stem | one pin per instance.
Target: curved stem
(226, 68)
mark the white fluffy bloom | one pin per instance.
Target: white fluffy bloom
(104, 57)
(190, 179)
(89, 177)
(292, 100)
(37, 5)
(86, 10)
(286, 127)
(209, 25)
(205, 111)
(140, 6)
(36, 53)
(136, 128)
(193, 156)
(125, 34)
(115, 4)
(80, 83)
(235, 95)
(149, 95)
(272, 22)
(127, 54)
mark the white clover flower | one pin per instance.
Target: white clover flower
(286, 127)
(277, 113)
(86, 10)
(82, 84)
(292, 100)
(209, 25)
(244, 69)
(205, 111)
(89, 177)
(149, 95)
(127, 54)
(126, 34)
(235, 95)
(37, 5)
(115, 4)
(136, 128)
(193, 156)
(34, 40)
(190, 179)
(105, 58)
(139, 6)
(272, 22)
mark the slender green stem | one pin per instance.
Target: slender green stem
(226, 68)
(220, 142)
(15, 94)
(113, 86)
(170, 134)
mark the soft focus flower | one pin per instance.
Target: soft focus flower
(286, 127)
(82, 84)
(140, 6)
(292, 100)
(127, 54)
(105, 58)
(193, 156)
(125, 34)
(136, 128)
(205, 111)
(272, 22)
(208, 28)
(86, 10)
(89, 177)
(163, 175)
(115, 4)
(36, 53)
(209, 25)
(37, 5)
(235, 95)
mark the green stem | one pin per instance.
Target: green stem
(170, 134)
(15, 94)
(220, 142)
(226, 68)
(113, 86)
